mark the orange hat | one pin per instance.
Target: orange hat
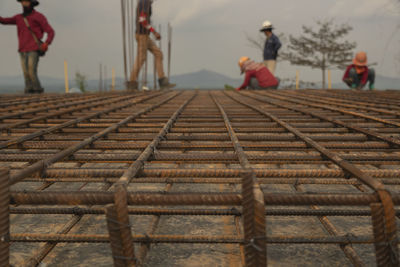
(360, 59)
(242, 60)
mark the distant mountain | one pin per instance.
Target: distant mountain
(203, 79)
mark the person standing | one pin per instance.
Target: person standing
(31, 26)
(357, 75)
(257, 76)
(144, 42)
(272, 46)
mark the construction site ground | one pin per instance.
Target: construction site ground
(197, 154)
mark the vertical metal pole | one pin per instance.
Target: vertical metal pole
(154, 73)
(379, 234)
(129, 33)
(105, 86)
(121, 207)
(155, 69)
(146, 65)
(254, 223)
(329, 79)
(113, 79)
(124, 37)
(169, 49)
(4, 218)
(133, 33)
(66, 76)
(101, 78)
(115, 236)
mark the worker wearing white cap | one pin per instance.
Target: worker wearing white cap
(272, 46)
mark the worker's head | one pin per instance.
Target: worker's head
(267, 28)
(360, 62)
(241, 62)
(28, 3)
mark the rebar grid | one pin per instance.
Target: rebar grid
(233, 152)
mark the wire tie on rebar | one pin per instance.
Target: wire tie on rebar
(348, 237)
(253, 244)
(235, 211)
(296, 183)
(119, 223)
(5, 238)
(394, 251)
(146, 239)
(126, 258)
(163, 192)
(77, 211)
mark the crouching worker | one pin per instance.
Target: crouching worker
(257, 76)
(358, 74)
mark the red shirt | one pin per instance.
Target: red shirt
(39, 26)
(363, 75)
(263, 75)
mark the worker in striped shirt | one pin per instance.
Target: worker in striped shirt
(143, 31)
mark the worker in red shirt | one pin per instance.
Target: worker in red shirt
(31, 26)
(358, 74)
(257, 75)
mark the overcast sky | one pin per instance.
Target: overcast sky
(208, 34)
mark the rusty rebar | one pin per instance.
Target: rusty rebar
(123, 222)
(4, 218)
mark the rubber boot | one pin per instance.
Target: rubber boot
(132, 86)
(165, 84)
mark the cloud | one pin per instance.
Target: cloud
(364, 8)
(182, 11)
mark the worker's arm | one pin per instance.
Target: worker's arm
(346, 74)
(247, 78)
(277, 44)
(144, 22)
(8, 21)
(44, 24)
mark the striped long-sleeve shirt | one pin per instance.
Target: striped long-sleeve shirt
(260, 72)
(143, 14)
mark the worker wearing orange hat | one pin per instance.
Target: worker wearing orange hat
(358, 74)
(257, 75)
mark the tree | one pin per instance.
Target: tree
(323, 48)
(80, 80)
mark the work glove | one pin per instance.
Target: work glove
(238, 89)
(44, 47)
(348, 81)
(157, 35)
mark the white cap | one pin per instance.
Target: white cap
(266, 25)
